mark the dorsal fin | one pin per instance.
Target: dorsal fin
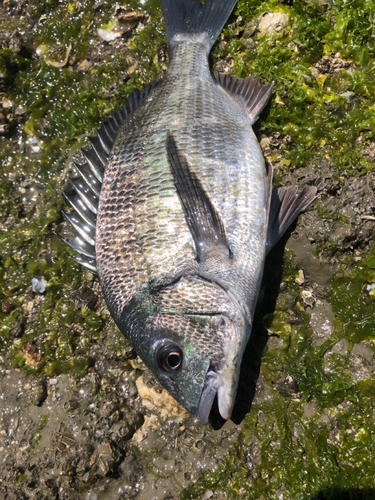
(254, 94)
(88, 185)
(204, 222)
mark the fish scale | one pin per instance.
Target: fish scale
(185, 214)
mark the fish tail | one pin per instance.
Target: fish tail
(194, 17)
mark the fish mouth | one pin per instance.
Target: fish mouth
(213, 386)
(222, 378)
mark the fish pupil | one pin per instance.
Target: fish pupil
(174, 360)
(169, 358)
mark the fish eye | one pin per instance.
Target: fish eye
(169, 358)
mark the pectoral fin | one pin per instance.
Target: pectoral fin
(204, 222)
(286, 204)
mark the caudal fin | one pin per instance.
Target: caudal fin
(194, 17)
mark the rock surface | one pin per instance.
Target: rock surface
(80, 416)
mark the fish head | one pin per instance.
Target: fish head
(196, 355)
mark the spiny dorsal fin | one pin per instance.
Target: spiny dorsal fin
(286, 204)
(102, 143)
(204, 222)
(87, 187)
(254, 94)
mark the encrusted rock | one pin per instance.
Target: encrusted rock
(272, 22)
(39, 393)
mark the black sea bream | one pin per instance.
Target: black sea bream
(175, 213)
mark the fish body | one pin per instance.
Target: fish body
(186, 215)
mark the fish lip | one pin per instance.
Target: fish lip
(212, 384)
(225, 402)
(222, 381)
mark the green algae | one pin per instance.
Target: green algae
(325, 115)
(336, 217)
(63, 107)
(355, 318)
(322, 119)
(21, 478)
(40, 425)
(301, 452)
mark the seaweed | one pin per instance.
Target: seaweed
(316, 440)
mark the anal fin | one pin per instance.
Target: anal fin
(204, 222)
(286, 204)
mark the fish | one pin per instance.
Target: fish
(175, 213)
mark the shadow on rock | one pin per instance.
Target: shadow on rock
(251, 360)
(346, 494)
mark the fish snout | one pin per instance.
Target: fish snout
(222, 381)
(215, 387)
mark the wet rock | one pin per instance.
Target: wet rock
(39, 393)
(128, 468)
(17, 331)
(341, 347)
(364, 351)
(4, 129)
(361, 362)
(272, 22)
(130, 19)
(131, 422)
(20, 111)
(91, 495)
(308, 298)
(6, 307)
(321, 321)
(155, 397)
(32, 356)
(84, 65)
(274, 342)
(320, 291)
(332, 64)
(287, 386)
(105, 458)
(309, 410)
(86, 298)
(300, 280)
(149, 426)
